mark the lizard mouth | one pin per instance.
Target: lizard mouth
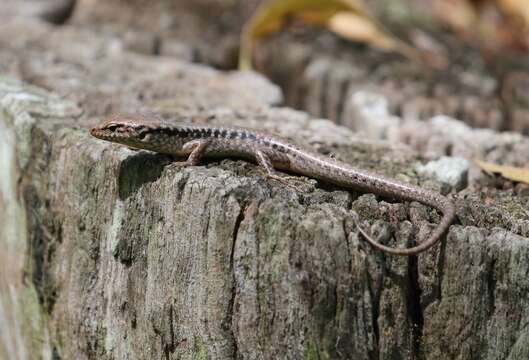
(102, 134)
(95, 132)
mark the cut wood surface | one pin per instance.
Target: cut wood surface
(114, 253)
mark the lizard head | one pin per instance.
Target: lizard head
(131, 130)
(142, 132)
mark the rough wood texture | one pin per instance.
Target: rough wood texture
(111, 253)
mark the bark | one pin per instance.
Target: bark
(114, 253)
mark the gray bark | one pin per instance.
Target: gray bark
(112, 253)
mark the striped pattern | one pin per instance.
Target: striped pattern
(268, 150)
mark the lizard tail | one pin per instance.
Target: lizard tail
(442, 204)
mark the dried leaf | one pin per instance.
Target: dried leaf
(493, 25)
(348, 18)
(517, 8)
(509, 172)
(359, 28)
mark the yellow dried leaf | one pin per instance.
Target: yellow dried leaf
(518, 8)
(347, 18)
(359, 28)
(493, 25)
(509, 172)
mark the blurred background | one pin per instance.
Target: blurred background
(461, 58)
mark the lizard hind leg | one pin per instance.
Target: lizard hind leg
(270, 173)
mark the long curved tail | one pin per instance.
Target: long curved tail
(342, 174)
(439, 202)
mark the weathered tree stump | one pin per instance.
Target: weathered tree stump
(114, 253)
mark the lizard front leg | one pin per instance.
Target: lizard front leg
(197, 148)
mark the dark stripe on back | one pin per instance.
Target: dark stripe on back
(164, 131)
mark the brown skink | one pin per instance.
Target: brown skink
(270, 152)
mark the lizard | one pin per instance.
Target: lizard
(271, 152)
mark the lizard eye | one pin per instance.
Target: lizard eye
(112, 127)
(142, 135)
